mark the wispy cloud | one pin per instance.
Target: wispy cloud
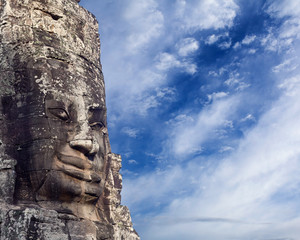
(249, 117)
(131, 132)
(244, 186)
(248, 39)
(287, 66)
(166, 61)
(188, 136)
(225, 45)
(146, 23)
(207, 14)
(132, 161)
(236, 82)
(187, 46)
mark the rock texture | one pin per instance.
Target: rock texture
(58, 177)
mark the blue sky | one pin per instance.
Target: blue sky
(203, 105)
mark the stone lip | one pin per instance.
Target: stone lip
(74, 161)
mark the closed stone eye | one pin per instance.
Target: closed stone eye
(96, 125)
(59, 113)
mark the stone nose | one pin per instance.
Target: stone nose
(86, 146)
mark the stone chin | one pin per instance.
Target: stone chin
(67, 194)
(72, 179)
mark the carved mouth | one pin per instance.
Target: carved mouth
(77, 168)
(74, 161)
(92, 190)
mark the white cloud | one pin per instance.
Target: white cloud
(225, 45)
(225, 41)
(237, 45)
(271, 43)
(207, 14)
(190, 68)
(187, 46)
(226, 149)
(291, 85)
(128, 173)
(166, 61)
(154, 186)
(249, 117)
(215, 38)
(180, 119)
(180, 6)
(288, 65)
(131, 161)
(291, 29)
(145, 103)
(242, 192)
(218, 73)
(188, 137)
(248, 39)
(252, 51)
(131, 132)
(212, 39)
(217, 95)
(150, 101)
(234, 81)
(284, 8)
(283, 39)
(146, 23)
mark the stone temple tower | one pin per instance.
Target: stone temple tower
(58, 176)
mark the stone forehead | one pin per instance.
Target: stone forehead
(85, 101)
(74, 80)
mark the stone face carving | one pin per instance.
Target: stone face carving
(61, 162)
(54, 146)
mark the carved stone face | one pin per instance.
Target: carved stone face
(65, 156)
(79, 126)
(57, 132)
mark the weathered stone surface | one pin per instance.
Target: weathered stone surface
(58, 177)
(7, 177)
(24, 223)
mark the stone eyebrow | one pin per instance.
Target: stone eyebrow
(52, 103)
